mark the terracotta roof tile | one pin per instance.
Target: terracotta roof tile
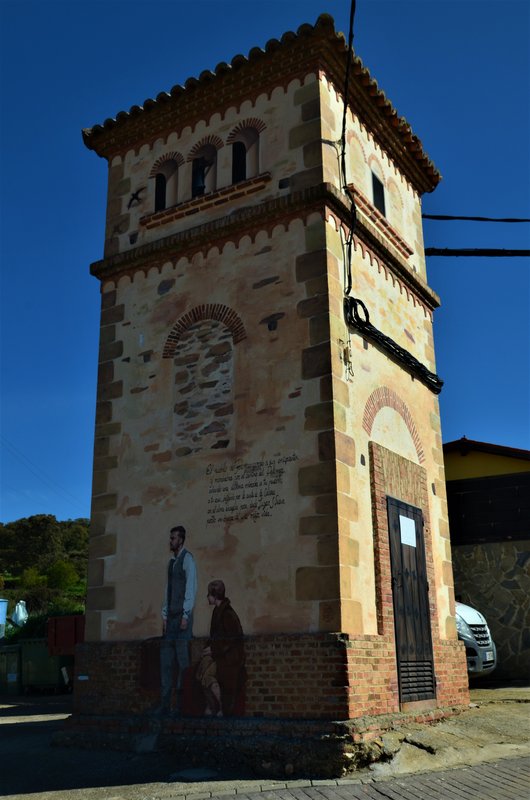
(336, 47)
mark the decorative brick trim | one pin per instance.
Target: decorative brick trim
(265, 216)
(312, 51)
(214, 311)
(381, 222)
(174, 156)
(384, 397)
(354, 135)
(373, 161)
(207, 201)
(392, 185)
(211, 139)
(253, 122)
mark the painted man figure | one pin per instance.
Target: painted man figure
(221, 670)
(177, 617)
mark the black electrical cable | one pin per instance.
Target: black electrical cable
(346, 91)
(490, 252)
(345, 186)
(475, 219)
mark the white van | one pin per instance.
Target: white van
(473, 630)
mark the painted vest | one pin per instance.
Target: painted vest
(176, 584)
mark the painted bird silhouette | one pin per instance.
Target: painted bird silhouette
(135, 197)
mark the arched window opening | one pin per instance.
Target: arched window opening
(239, 162)
(160, 192)
(245, 154)
(166, 185)
(204, 171)
(378, 194)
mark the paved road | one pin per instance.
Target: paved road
(30, 769)
(508, 779)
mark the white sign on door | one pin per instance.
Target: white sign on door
(407, 529)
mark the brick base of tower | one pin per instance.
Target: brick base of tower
(314, 702)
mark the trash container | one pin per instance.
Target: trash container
(42, 672)
(10, 669)
(3, 615)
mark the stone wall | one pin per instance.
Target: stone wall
(495, 579)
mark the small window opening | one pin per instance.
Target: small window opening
(166, 185)
(245, 155)
(379, 194)
(239, 162)
(198, 177)
(160, 192)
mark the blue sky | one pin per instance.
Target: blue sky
(458, 71)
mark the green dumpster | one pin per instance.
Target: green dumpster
(42, 672)
(10, 669)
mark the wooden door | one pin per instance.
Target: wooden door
(410, 592)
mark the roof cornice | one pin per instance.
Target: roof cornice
(465, 446)
(311, 49)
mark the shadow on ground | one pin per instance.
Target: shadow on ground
(497, 725)
(31, 764)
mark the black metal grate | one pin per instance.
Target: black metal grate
(416, 680)
(481, 634)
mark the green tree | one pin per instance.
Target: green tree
(62, 576)
(44, 562)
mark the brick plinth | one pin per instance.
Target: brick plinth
(300, 690)
(321, 676)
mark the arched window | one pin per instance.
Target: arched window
(204, 171)
(160, 192)
(378, 191)
(239, 162)
(166, 185)
(245, 154)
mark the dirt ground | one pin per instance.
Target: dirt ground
(497, 725)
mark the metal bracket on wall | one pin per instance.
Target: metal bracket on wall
(358, 318)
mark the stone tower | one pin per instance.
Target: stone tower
(273, 395)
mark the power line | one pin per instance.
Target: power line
(475, 251)
(474, 219)
(38, 472)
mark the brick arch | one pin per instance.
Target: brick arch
(384, 397)
(213, 311)
(176, 157)
(353, 135)
(393, 189)
(212, 140)
(254, 123)
(373, 161)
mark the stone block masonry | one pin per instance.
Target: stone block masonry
(233, 398)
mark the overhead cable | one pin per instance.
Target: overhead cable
(488, 252)
(474, 219)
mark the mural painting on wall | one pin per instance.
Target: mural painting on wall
(177, 620)
(214, 684)
(221, 670)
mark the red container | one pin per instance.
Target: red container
(64, 633)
